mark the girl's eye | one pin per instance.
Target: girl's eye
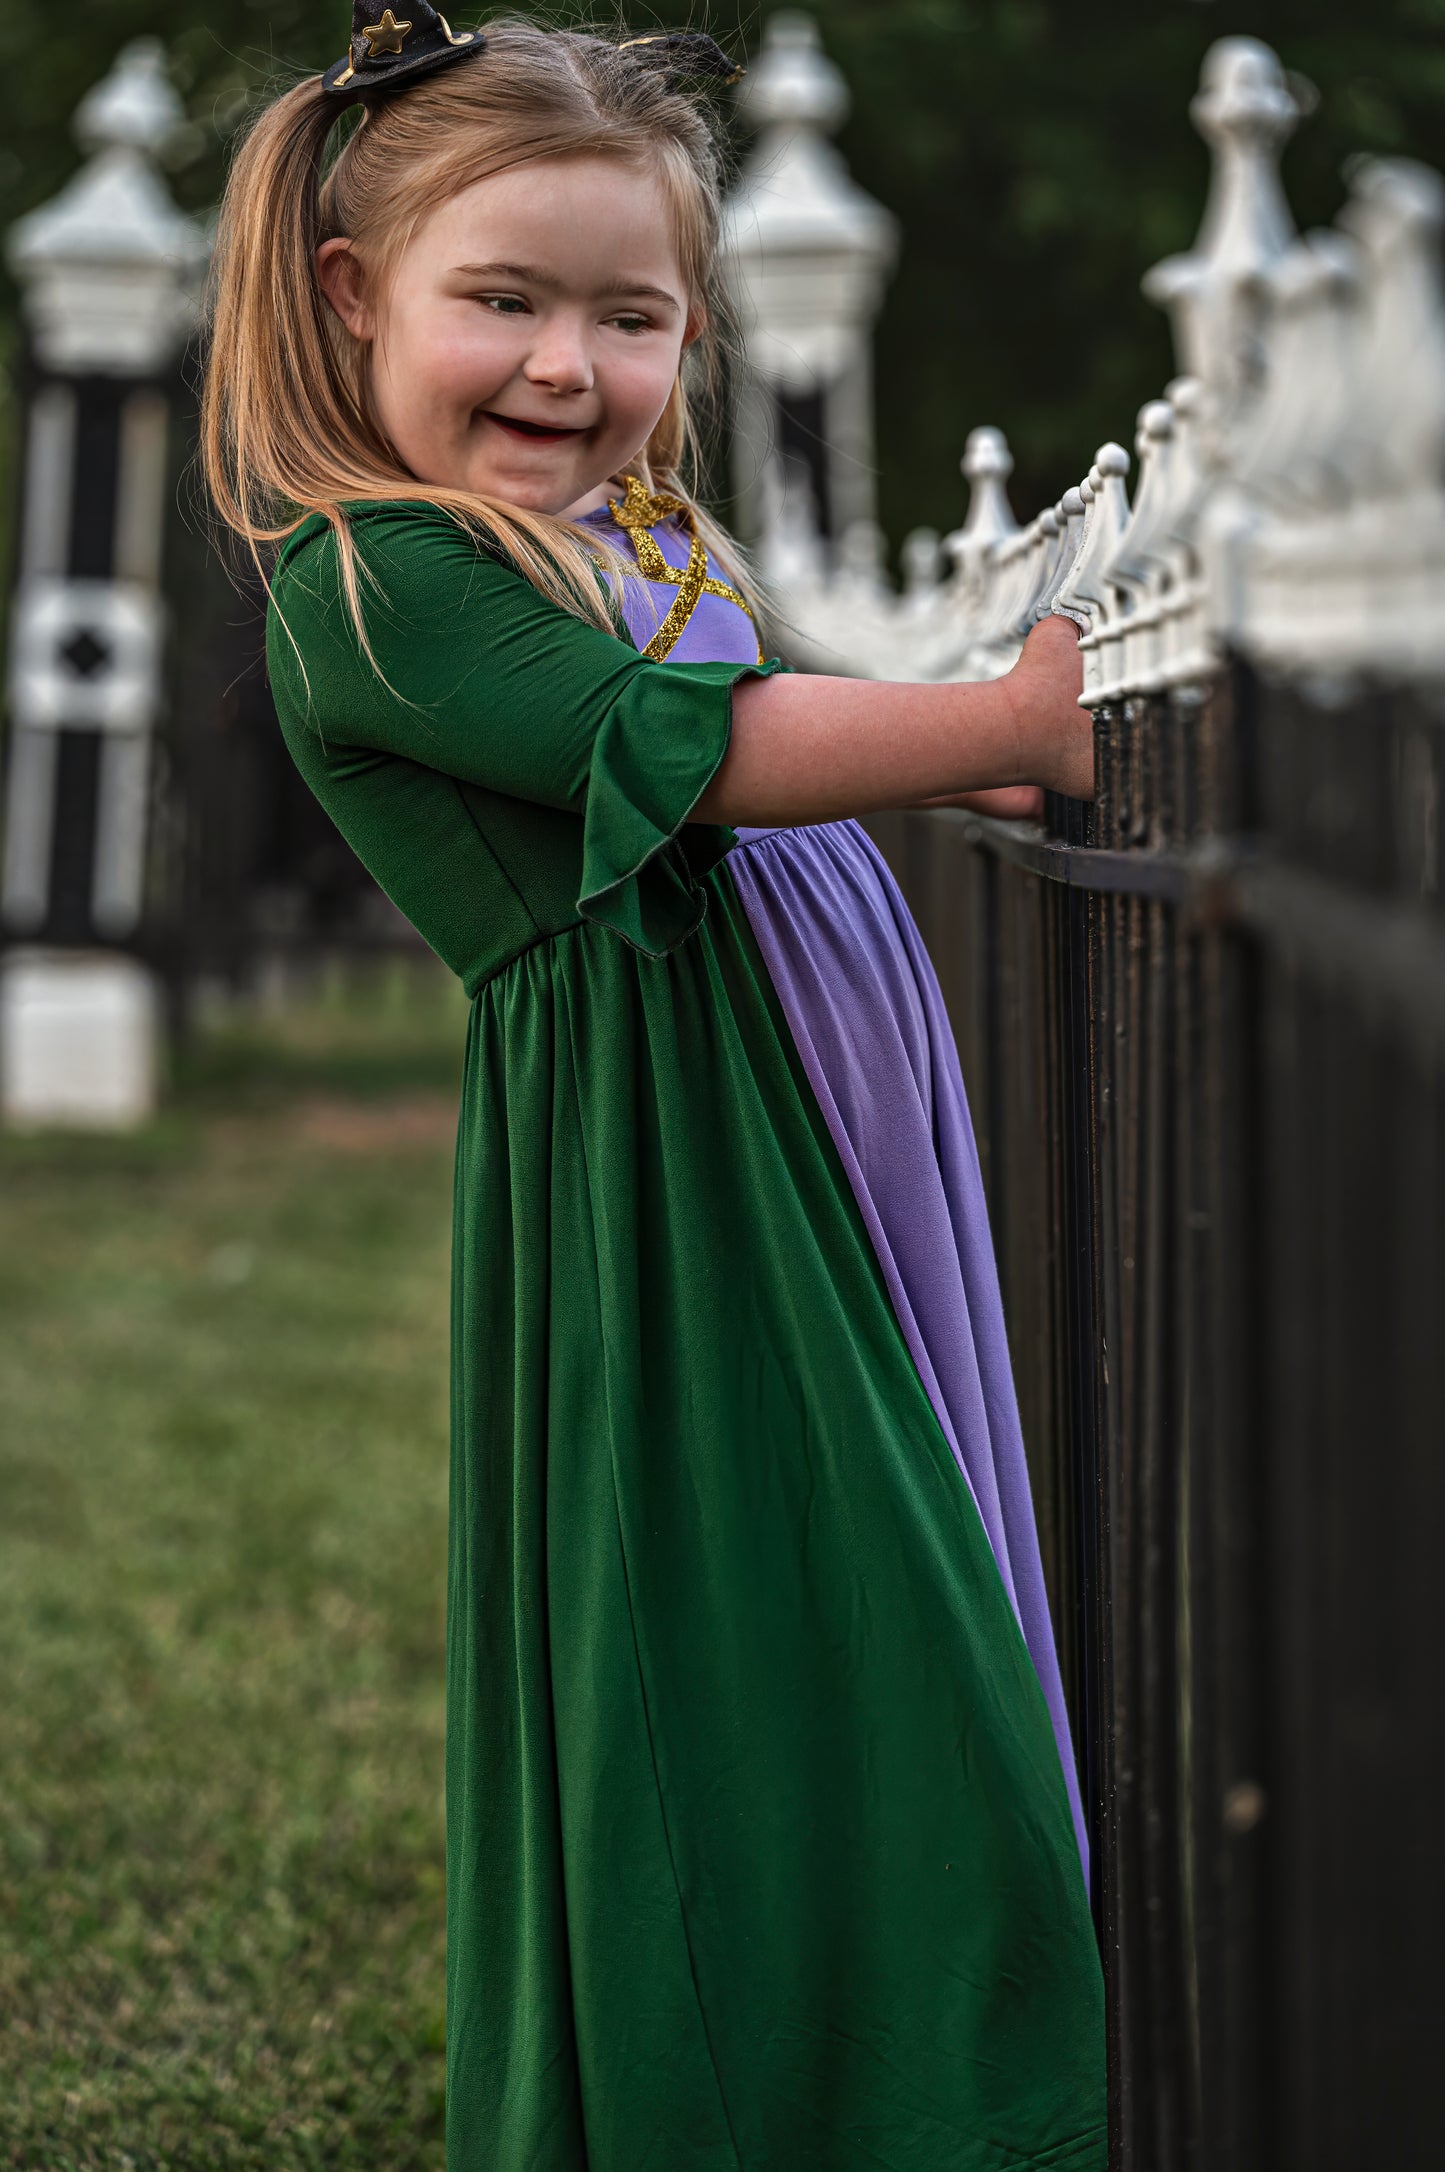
(511, 305)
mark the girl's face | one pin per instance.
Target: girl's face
(532, 334)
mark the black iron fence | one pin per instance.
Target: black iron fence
(1202, 1026)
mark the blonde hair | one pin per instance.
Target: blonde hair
(287, 428)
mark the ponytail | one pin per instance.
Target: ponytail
(269, 334)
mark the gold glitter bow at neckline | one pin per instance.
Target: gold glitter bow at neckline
(638, 513)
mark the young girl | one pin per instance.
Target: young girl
(760, 1850)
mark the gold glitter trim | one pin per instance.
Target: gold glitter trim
(663, 38)
(451, 36)
(638, 513)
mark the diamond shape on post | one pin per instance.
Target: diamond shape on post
(85, 654)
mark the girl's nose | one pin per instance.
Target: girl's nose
(561, 360)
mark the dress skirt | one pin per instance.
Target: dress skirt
(759, 1848)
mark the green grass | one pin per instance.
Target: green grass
(223, 1385)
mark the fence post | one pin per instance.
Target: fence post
(109, 273)
(806, 253)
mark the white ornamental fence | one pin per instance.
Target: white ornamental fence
(1289, 502)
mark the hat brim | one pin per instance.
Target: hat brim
(347, 83)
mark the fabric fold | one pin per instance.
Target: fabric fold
(641, 857)
(868, 1018)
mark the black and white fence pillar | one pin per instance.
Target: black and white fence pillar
(110, 273)
(807, 253)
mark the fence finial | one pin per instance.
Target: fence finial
(1396, 214)
(987, 465)
(1106, 513)
(1330, 551)
(806, 252)
(1246, 110)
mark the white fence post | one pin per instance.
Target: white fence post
(109, 272)
(806, 253)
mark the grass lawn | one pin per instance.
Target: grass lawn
(223, 1390)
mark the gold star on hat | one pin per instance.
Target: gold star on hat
(386, 36)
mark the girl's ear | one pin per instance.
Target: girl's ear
(339, 271)
(695, 327)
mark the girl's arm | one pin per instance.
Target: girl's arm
(810, 749)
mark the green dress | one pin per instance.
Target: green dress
(758, 1849)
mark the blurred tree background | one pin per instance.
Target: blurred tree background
(1038, 157)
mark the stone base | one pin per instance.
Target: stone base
(79, 1035)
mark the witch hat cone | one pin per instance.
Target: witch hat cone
(391, 45)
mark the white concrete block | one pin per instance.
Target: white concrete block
(79, 1034)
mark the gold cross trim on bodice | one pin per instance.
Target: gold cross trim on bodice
(639, 512)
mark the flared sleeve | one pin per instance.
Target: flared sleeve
(652, 760)
(476, 675)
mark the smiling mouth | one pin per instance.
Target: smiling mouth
(539, 433)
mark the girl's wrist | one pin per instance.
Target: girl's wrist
(1025, 759)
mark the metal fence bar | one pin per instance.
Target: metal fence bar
(1202, 1024)
(1211, 1111)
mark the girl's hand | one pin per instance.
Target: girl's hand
(1057, 736)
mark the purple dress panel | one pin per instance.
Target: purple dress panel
(860, 995)
(864, 1004)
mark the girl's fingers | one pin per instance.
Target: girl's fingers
(1006, 802)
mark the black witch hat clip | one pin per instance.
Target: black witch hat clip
(684, 52)
(395, 45)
